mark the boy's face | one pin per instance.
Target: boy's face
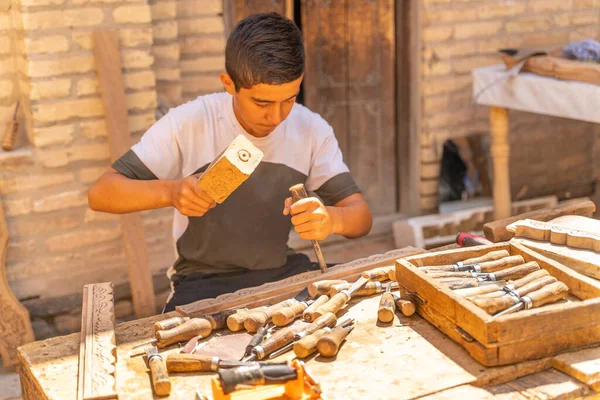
(262, 107)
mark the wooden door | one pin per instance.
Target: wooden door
(349, 80)
(235, 10)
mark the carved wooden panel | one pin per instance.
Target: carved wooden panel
(15, 326)
(349, 80)
(97, 348)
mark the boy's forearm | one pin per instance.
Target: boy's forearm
(114, 193)
(351, 220)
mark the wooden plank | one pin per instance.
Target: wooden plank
(97, 347)
(15, 326)
(496, 231)
(558, 68)
(550, 384)
(108, 65)
(583, 365)
(465, 392)
(454, 255)
(270, 293)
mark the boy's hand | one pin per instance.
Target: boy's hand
(189, 199)
(310, 218)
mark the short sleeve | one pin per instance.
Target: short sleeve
(329, 176)
(156, 156)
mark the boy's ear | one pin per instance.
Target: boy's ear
(227, 83)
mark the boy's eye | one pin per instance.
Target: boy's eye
(262, 105)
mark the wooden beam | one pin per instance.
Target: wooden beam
(97, 346)
(108, 65)
(408, 105)
(15, 326)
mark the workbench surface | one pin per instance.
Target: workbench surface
(406, 359)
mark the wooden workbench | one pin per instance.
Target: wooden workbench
(406, 359)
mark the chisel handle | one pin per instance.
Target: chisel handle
(298, 192)
(492, 255)
(179, 362)
(368, 289)
(477, 291)
(256, 319)
(325, 320)
(329, 344)
(379, 274)
(10, 136)
(488, 266)
(488, 292)
(492, 305)
(308, 314)
(160, 378)
(308, 344)
(323, 287)
(235, 322)
(548, 294)
(520, 284)
(184, 332)
(218, 320)
(286, 315)
(406, 307)
(274, 343)
(387, 308)
(333, 305)
(169, 323)
(517, 272)
(461, 283)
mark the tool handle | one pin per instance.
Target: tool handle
(286, 315)
(184, 332)
(501, 264)
(10, 136)
(392, 275)
(492, 255)
(529, 278)
(460, 283)
(307, 315)
(379, 274)
(179, 362)
(407, 307)
(256, 319)
(218, 320)
(387, 308)
(477, 291)
(275, 342)
(517, 272)
(548, 294)
(160, 377)
(298, 192)
(326, 320)
(369, 289)
(493, 305)
(527, 288)
(437, 274)
(329, 344)
(334, 304)
(464, 239)
(322, 287)
(169, 323)
(308, 344)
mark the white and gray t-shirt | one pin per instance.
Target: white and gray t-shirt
(248, 230)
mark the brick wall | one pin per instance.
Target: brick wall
(460, 35)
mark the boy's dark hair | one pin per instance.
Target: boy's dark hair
(264, 48)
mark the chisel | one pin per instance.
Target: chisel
(308, 344)
(379, 274)
(179, 362)
(169, 323)
(492, 255)
(387, 306)
(489, 266)
(256, 339)
(286, 336)
(407, 307)
(338, 301)
(298, 192)
(548, 294)
(158, 372)
(461, 283)
(369, 289)
(509, 273)
(184, 332)
(515, 284)
(494, 304)
(307, 315)
(329, 344)
(256, 375)
(259, 318)
(235, 322)
(322, 287)
(489, 289)
(287, 315)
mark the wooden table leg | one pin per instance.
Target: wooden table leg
(500, 150)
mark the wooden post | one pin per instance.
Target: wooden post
(500, 150)
(15, 326)
(108, 64)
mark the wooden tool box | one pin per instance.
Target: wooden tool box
(527, 334)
